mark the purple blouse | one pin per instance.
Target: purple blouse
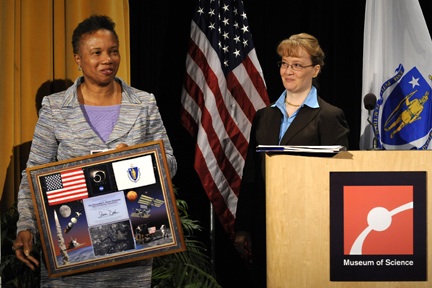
(102, 119)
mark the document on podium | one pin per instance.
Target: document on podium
(320, 149)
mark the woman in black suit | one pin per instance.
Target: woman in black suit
(298, 117)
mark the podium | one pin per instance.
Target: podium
(298, 214)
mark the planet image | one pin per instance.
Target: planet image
(65, 211)
(132, 195)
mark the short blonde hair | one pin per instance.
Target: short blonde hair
(292, 45)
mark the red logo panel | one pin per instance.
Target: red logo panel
(378, 220)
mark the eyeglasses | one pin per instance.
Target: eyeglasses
(295, 67)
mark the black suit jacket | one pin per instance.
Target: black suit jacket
(325, 125)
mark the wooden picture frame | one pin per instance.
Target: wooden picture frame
(106, 209)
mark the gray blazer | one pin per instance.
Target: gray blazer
(62, 132)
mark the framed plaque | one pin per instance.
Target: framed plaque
(106, 209)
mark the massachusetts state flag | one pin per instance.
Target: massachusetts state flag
(135, 172)
(66, 186)
(223, 88)
(397, 68)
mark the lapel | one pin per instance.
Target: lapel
(127, 118)
(73, 115)
(78, 124)
(273, 126)
(303, 118)
(130, 110)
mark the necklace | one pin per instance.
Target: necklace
(291, 104)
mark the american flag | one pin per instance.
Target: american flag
(223, 88)
(65, 186)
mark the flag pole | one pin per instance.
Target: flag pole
(212, 238)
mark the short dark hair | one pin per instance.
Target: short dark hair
(91, 25)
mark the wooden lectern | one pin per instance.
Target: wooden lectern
(298, 214)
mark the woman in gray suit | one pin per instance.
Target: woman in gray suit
(98, 112)
(298, 117)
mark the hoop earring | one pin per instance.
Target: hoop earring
(79, 67)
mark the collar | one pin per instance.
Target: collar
(311, 100)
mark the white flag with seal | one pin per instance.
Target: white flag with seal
(397, 68)
(134, 172)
